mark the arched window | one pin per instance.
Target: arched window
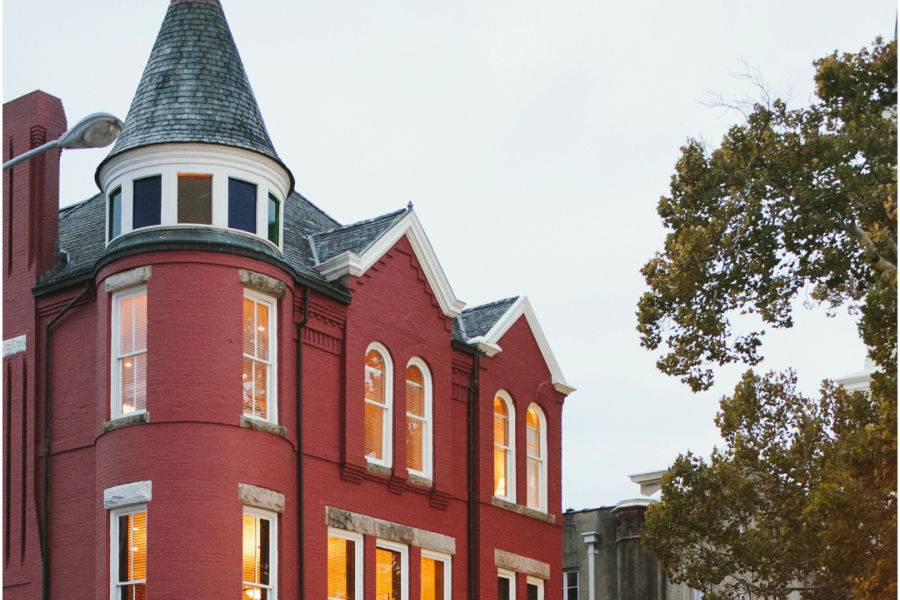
(504, 447)
(418, 418)
(377, 431)
(536, 467)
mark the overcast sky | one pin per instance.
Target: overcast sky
(534, 138)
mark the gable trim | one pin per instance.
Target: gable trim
(350, 263)
(489, 342)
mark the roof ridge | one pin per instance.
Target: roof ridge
(492, 303)
(363, 222)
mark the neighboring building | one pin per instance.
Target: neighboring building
(172, 342)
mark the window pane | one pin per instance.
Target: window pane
(146, 202)
(432, 577)
(126, 325)
(388, 574)
(341, 569)
(532, 592)
(140, 381)
(252, 592)
(241, 205)
(503, 588)
(374, 442)
(274, 219)
(140, 321)
(194, 198)
(415, 444)
(533, 430)
(138, 591)
(374, 377)
(124, 546)
(501, 430)
(261, 382)
(249, 337)
(115, 213)
(262, 331)
(255, 553)
(247, 376)
(499, 471)
(534, 470)
(415, 391)
(128, 392)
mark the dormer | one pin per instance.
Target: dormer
(195, 158)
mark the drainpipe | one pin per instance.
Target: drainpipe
(301, 564)
(474, 383)
(590, 539)
(45, 505)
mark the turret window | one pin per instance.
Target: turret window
(114, 213)
(258, 371)
(146, 202)
(129, 346)
(274, 220)
(195, 198)
(258, 560)
(128, 553)
(241, 205)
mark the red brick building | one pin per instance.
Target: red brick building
(213, 388)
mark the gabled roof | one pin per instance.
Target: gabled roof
(365, 243)
(488, 316)
(478, 320)
(194, 87)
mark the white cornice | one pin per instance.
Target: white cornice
(489, 342)
(350, 263)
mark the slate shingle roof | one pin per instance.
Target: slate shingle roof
(194, 87)
(478, 320)
(355, 237)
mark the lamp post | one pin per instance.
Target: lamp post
(93, 131)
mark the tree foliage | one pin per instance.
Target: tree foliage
(803, 494)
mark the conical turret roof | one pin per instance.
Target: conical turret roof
(194, 87)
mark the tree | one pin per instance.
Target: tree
(802, 495)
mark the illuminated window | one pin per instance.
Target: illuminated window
(128, 383)
(377, 429)
(258, 556)
(391, 571)
(194, 198)
(418, 418)
(534, 589)
(435, 576)
(504, 447)
(128, 553)
(536, 468)
(344, 565)
(114, 214)
(259, 357)
(570, 585)
(506, 585)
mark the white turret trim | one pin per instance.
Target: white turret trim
(489, 342)
(350, 263)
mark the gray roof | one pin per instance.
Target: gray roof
(355, 237)
(478, 320)
(194, 87)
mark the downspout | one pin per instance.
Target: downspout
(301, 564)
(45, 505)
(473, 554)
(590, 539)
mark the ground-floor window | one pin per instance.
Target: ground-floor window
(345, 565)
(259, 561)
(535, 589)
(128, 553)
(506, 585)
(570, 585)
(391, 571)
(435, 576)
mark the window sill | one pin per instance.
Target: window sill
(260, 425)
(378, 469)
(126, 421)
(420, 481)
(522, 510)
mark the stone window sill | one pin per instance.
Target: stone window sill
(419, 481)
(378, 469)
(260, 425)
(523, 510)
(126, 421)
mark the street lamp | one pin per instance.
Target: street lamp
(93, 131)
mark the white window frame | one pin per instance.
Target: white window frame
(566, 586)
(511, 577)
(114, 515)
(387, 424)
(404, 564)
(542, 440)
(448, 573)
(511, 448)
(357, 540)
(272, 379)
(115, 379)
(427, 458)
(273, 547)
(539, 583)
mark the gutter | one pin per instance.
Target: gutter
(472, 516)
(301, 575)
(45, 505)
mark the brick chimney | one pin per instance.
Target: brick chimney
(31, 189)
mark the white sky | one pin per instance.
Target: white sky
(533, 137)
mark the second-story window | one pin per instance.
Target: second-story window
(128, 554)
(195, 198)
(146, 202)
(115, 214)
(504, 454)
(418, 418)
(536, 468)
(274, 232)
(377, 425)
(258, 371)
(241, 205)
(129, 350)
